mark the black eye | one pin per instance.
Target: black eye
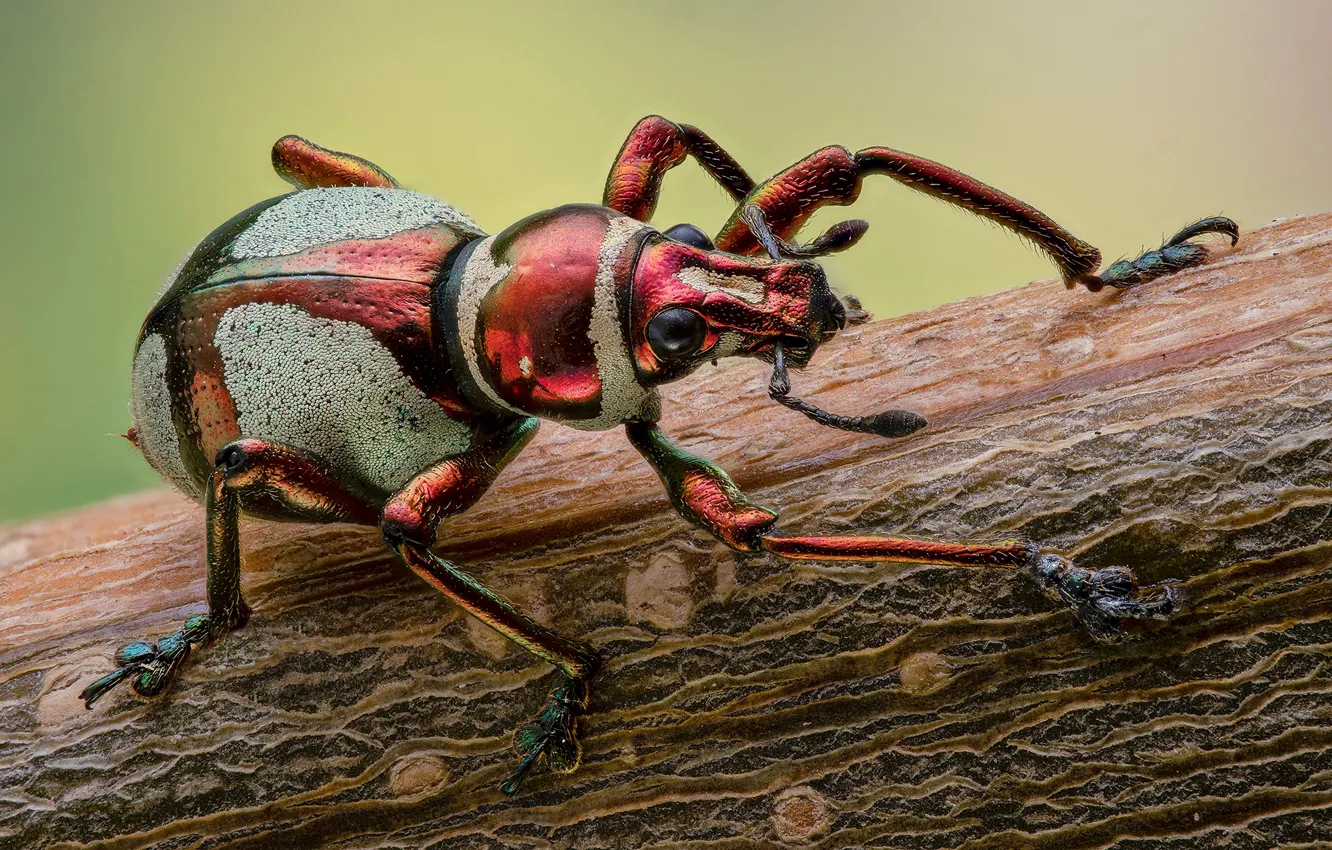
(690, 234)
(676, 333)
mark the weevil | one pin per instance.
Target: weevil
(356, 352)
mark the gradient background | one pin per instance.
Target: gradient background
(130, 130)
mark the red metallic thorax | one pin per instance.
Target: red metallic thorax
(532, 337)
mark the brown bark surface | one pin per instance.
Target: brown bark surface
(1183, 428)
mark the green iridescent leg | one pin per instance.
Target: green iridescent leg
(408, 523)
(271, 480)
(550, 739)
(1176, 254)
(149, 668)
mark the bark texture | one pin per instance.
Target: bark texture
(1183, 428)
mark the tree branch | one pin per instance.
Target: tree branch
(1183, 428)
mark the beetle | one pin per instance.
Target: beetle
(356, 352)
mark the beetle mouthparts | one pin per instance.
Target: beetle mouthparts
(887, 423)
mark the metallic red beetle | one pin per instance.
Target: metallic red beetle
(354, 352)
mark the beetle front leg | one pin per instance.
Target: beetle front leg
(703, 494)
(259, 475)
(833, 176)
(409, 521)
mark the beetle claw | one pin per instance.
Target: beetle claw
(1102, 599)
(151, 667)
(550, 737)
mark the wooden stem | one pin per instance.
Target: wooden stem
(1183, 429)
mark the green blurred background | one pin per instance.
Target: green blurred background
(130, 130)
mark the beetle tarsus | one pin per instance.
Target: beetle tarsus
(1101, 599)
(550, 738)
(149, 667)
(1176, 254)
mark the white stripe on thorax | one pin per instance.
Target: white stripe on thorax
(622, 397)
(479, 276)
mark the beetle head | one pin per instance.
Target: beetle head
(691, 305)
(578, 313)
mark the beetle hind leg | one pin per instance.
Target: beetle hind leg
(266, 477)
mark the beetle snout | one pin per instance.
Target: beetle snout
(827, 311)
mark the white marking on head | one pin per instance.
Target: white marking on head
(728, 343)
(320, 216)
(706, 280)
(150, 410)
(479, 276)
(622, 397)
(330, 388)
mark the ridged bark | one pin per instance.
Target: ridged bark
(1183, 428)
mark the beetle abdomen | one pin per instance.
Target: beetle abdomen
(326, 347)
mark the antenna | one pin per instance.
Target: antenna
(888, 423)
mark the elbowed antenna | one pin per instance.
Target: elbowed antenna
(889, 423)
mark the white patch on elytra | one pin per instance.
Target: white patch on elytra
(479, 276)
(330, 388)
(706, 280)
(322, 216)
(623, 398)
(150, 411)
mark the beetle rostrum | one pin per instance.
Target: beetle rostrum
(356, 352)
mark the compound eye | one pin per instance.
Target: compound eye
(676, 333)
(690, 234)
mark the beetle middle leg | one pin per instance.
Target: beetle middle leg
(409, 522)
(264, 478)
(833, 176)
(703, 494)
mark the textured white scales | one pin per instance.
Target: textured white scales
(480, 275)
(150, 411)
(321, 216)
(622, 397)
(331, 389)
(706, 280)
